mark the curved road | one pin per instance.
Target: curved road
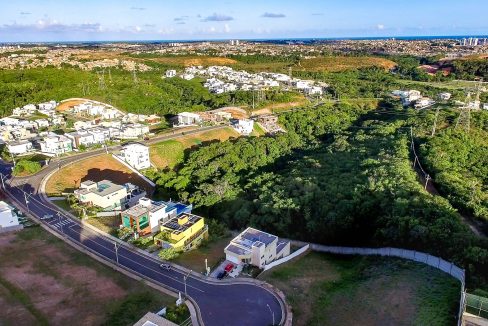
(219, 303)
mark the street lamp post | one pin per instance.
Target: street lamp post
(26, 201)
(272, 313)
(116, 252)
(184, 278)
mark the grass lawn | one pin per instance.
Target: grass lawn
(450, 85)
(96, 169)
(108, 224)
(171, 152)
(195, 259)
(343, 290)
(257, 130)
(63, 203)
(43, 281)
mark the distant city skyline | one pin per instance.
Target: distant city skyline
(129, 20)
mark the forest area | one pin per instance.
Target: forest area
(342, 174)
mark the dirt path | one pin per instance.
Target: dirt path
(467, 219)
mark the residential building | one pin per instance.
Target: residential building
(19, 147)
(243, 126)
(187, 119)
(145, 217)
(183, 232)
(133, 131)
(170, 73)
(7, 216)
(256, 247)
(80, 138)
(104, 194)
(152, 319)
(136, 155)
(56, 144)
(444, 96)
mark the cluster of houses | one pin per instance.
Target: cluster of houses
(185, 119)
(171, 223)
(22, 135)
(415, 97)
(222, 79)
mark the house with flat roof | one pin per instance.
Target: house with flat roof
(183, 232)
(19, 147)
(256, 248)
(145, 217)
(104, 194)
(56, 144)
(152, 319)
(7, 216)
(136, 155)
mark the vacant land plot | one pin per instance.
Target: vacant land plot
(343, 290)
(338, 63)
(96, 169)
(170, 152)
(187, 61)
(45, 282)
(68, 105)
(212, 251)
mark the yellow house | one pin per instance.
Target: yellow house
(183, 232)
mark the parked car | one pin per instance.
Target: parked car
(229, 267)
(221, 275)
(165, 266)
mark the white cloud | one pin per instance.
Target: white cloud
(226, 28)
(380, 26)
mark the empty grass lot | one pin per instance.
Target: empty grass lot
(171, 152)
(338, 63)
(43, 281)
(343, 290)
(195, 259)
(96, 169)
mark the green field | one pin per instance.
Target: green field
(343, 290)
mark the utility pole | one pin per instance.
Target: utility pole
(435, 122)
(427, 178)
(3, 186)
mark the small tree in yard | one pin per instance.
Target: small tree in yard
(168, 254)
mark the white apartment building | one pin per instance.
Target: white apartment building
(136, 155)
(256, 247)
(80, 138)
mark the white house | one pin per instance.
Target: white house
(136, 155)
(19, 147)
(99, 135)
(188, 119)
(170, 73)
(243, 126)
(256, 247)
(51, 105)
(81, 137)
(7, 217)
(7, 121)
(56, 144)
(104, 194)
(133, 131)
(82, 125)
(42, 123)
(445, 96)
(149, 214)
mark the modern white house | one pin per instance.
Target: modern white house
(133, 131)
(19, 147)
(243, 126)
(7, 216)
(56, 144)
(256, 248)
(188, 119)
(170, 73)
(104, 194)
(80, 138)
(136, 155)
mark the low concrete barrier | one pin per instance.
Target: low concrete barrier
(287, 258)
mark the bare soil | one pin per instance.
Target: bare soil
(96, 169)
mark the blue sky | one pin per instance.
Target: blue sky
(91, 20)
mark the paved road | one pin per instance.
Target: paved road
(219, 303)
